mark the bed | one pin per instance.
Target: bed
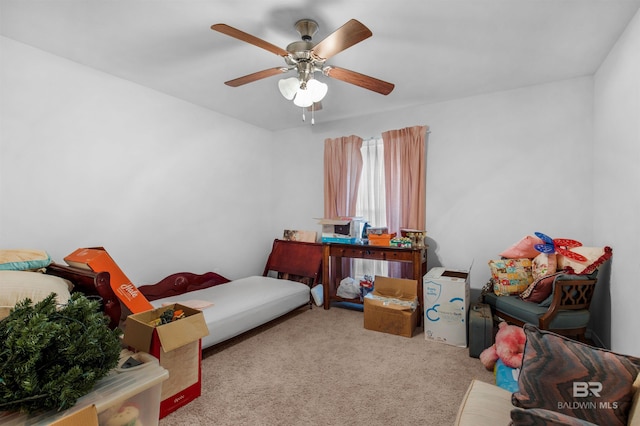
(233, 307)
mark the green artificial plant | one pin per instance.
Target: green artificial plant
(50, 355)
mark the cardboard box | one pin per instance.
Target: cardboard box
(98, 260)
(380, 239)
(177, 346)
(446, 305)
(297, 235)
(87, 416)
(346, 230)
(377, 231)
(392, 306)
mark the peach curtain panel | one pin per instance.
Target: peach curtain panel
(405, 177)
(342, 170)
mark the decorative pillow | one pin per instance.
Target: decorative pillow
(510, 276)
(523, 248)
(24, 260)
(540, 417)
(575, 379)
(539, 289)
(595, 256)
(543, 264)
(15, 286)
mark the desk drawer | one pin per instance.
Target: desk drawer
(372, 253)
(348, 252)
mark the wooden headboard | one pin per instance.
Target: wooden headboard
(293, 260)
(180, 283)
(91, 284)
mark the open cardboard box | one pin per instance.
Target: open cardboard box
(392, 306)
(177, 346)
(347, 230)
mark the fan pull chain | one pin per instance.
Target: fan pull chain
(313, 114)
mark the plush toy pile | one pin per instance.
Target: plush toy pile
(508, 347)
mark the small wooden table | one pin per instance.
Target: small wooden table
(333, 253)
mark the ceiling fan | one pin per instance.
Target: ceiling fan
(306, 58)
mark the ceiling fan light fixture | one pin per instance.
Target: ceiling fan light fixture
(306, 57)
(303, 98)
(309, 93)
(303, 95)
(317, 90)
(288, 87)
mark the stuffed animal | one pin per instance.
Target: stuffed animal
(508, 347)
(127, 415)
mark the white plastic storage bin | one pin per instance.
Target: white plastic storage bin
(115, 395)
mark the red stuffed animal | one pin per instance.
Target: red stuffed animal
(509, 347)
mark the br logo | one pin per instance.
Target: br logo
(585, 389)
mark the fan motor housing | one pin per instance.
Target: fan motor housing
(300, 49)
(307, 28)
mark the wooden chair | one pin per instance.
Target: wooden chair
(568, 311)
(296, 261)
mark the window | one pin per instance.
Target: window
(402, 151)
(371, 199)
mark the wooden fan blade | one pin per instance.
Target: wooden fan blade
(250, 78)
(358, 79)
(248, 38)
(344, 37)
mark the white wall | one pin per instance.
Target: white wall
(616, 206)
(88, 159)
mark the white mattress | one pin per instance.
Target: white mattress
(243, 304)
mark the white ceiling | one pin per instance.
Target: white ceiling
(432, 50)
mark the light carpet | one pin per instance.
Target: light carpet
(321, 367)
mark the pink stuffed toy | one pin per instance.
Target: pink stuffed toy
(509, 347)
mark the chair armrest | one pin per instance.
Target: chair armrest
(568, 294)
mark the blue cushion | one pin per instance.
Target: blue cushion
(528, 312)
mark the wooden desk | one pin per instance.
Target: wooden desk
(333, 253)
